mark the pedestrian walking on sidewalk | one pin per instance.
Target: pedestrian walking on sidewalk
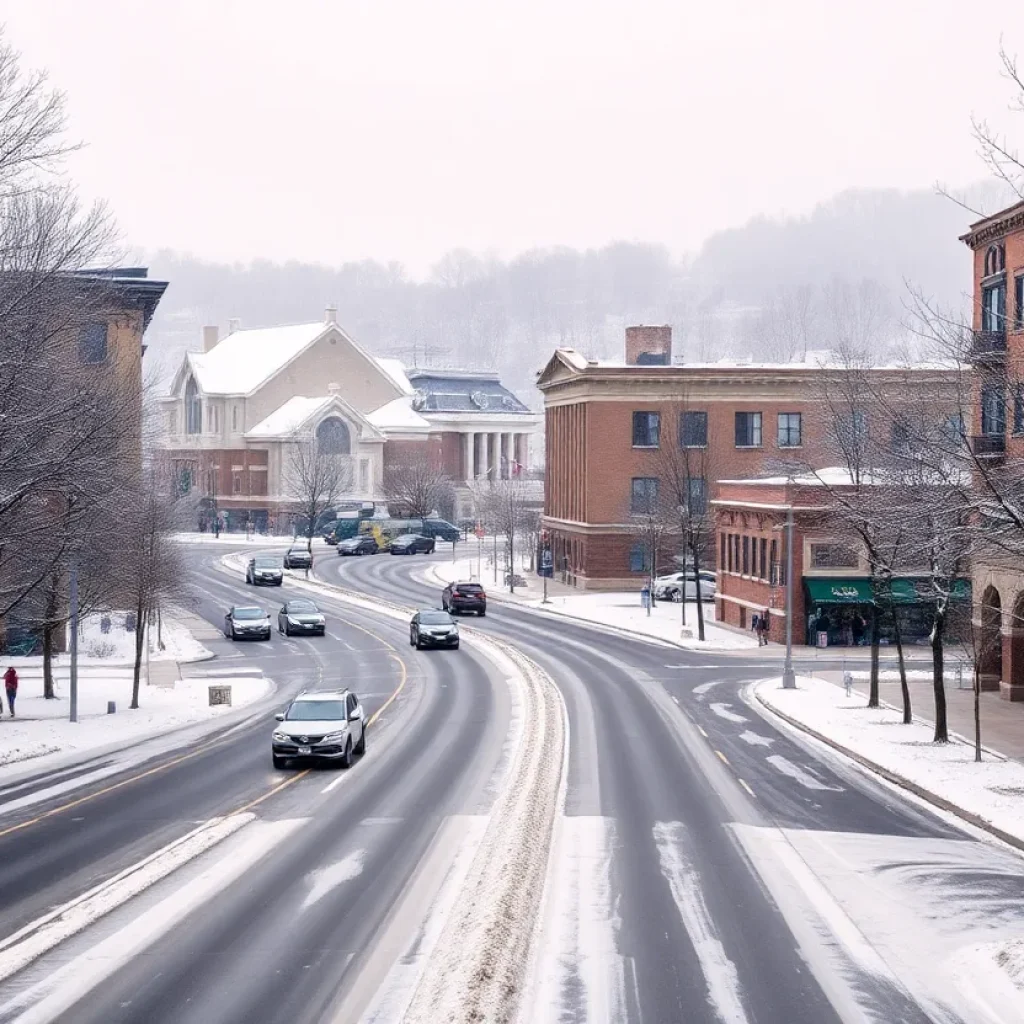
(762, 629)
(11, 686)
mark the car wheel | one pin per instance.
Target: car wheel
(419, 644)
(455, 646)
(677, 597)
(232, 634)
(346, 758)
(279, 762)
(412, 640)
(267, 635)
(360, 747)
(287, 630)
(482, 612)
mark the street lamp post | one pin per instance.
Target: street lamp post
(788, 676)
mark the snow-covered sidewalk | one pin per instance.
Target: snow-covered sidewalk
(42, 728)
(619, 610)
(989, 794)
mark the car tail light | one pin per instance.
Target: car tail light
(482, 596)
(456, 593)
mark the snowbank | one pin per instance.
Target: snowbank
(991, 792)
(620, 610)
(1011, 959)
(42, 726)
(240, 539)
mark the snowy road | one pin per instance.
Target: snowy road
(704, 865)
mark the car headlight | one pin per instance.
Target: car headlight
(335, 737)
(281, 737)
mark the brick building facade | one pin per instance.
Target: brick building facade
(607, 425)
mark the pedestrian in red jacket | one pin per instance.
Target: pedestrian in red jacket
(11, 686)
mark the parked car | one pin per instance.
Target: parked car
(327, 725)
(301, 616)
(431, 628)
(264, 570)
(514, 579)
(670, 587)
(358, 546)
(412, 544)
(441, 529)
(298, 558)
(457, 598)
(247, 622)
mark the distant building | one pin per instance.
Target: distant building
(608, 421)
(832, 593)
(236, 410)
(997, 433)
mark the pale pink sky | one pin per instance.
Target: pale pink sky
(330, 130)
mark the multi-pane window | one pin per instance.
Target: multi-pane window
(92, 343)
(790, 430)
(236, 481)
(748, 430)
(1018, 302)
(646, 429)
(193, 409)
(993, 409)
(697, 495)
(746, 555)
(643, 497)
(775, 561)
(765, 568)
(638, 559)
(833, 556)
(721, 555)
(753, 557)
(993, 307)
(693, 430)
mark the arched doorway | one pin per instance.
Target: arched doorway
(333, 437)
(990, 640)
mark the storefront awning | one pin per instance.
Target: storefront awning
(832, 591)
(910, 591)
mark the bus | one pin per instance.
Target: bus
(385, 530)
(347, 524)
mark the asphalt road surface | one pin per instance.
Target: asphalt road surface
(707, 866)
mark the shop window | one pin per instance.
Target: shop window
(833, 556)
(646, 429)
(643, 498)
(790, 433)
(693, 430)
(748, 430)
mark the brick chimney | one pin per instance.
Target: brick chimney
(234, 324)
(649, 346)
(331, 315)
(211, 335)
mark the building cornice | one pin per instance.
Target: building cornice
(991, 229)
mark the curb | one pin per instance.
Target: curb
(897, 780)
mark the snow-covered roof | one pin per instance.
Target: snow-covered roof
(290, 416)
(398, 416)
(244, 360)
(395, 369)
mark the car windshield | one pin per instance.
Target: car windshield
(297, 551)
(248, 613)
(468, 588)
(316, 710)
(266, 563)
(301, 606)
(435, 619)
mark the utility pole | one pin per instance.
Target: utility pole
(788, 676)
(511, 543)
(74, 640)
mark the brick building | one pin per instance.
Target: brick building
(997, 434)
(236, 411)
(831, 577)
(608, 422)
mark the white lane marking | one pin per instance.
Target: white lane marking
(57, 993)
(418, 935)
(804, 777)
(39, 936)
(335, 784)
(747, 788)
(704, 687)
(722, 710)
(328, 878)
(755, 739)
(719, 971)
(580, 974)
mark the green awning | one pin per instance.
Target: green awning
(911, 591)
(832, 591)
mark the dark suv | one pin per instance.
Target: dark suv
(457, 598)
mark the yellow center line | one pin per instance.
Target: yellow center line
(270, 792)
(401, 685)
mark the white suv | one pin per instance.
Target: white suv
(320, 724)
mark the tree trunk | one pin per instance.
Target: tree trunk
(700, 596)
(873, 681)
(159, 628)
(140, 634)
(904, 688)
(49, 691)
(938, 682)
(977, 712)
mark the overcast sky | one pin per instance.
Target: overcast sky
(330, 130)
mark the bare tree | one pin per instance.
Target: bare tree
(998, 152)
(506, 508)
(316, 477)
(418, 490)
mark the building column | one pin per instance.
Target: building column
(506, 456)
(480, 455)
(522, 451)
(490, 455)
(466, 469)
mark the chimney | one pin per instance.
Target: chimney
(334, 389)
(234, 324)
(649, 346)
(331, 315)
(211, 335)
